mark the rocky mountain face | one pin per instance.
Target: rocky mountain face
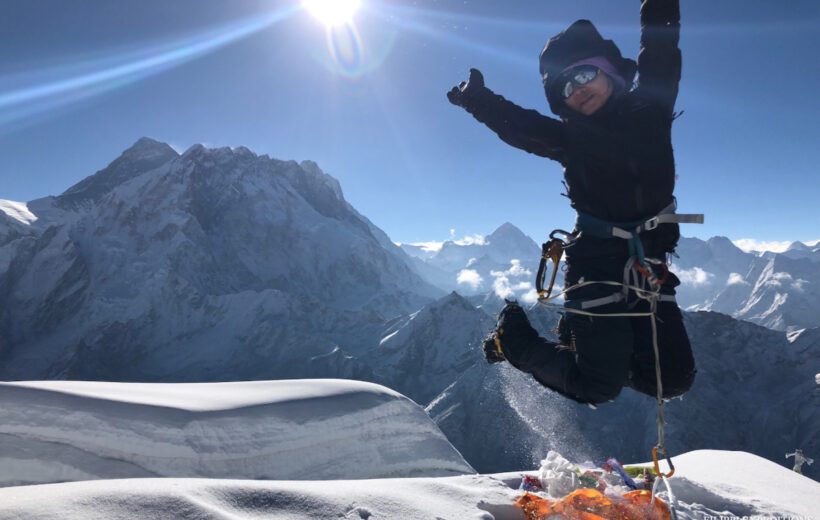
(423, 353)
(210, 265)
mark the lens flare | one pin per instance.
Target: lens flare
(346, 50)
(119, 71)
(332, 12)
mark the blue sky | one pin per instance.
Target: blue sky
(81, 81)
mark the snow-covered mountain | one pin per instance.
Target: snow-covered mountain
(777, 290)
(424, 352)
(505, 262)
(216, 264)
(797, 250)
(755, 391)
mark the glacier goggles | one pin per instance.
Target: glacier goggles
(577, 76)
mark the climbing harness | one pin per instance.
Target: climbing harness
(643, 276)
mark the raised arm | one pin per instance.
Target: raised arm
(526, 129)
(659, 59)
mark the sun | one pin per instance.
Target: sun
(332, 12)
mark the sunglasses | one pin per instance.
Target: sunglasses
(577, 76)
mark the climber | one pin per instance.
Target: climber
(614, 141)
(799, 460)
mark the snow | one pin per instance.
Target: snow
(75, 430)
(18, 211)
(298, 450)
(208, 397)
(707, 484)
(744, 484)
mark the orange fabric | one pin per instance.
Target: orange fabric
(591, 504)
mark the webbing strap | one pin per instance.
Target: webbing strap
(597, 302)
(612, 298)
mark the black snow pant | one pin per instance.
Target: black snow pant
(598, 356)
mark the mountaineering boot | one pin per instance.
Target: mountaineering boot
(492, 348)
(551, 364)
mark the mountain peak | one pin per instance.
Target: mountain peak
(506, 230)
(798, 246)
(141, 157)
(147, 146)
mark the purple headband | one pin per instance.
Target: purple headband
(603, 64)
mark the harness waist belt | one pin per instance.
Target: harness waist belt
(586, 223)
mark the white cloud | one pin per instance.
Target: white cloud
(501, 286)
(470, 240)
(736, 279)
(779, 279)
(470, 277)
(471, 261)
(530, 296)
(800, 285)
(505, 289)
(695, 276)
(514, 270)
(429, 247)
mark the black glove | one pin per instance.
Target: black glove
(492, 348)
(466, 89)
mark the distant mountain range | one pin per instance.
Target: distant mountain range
(777, 290)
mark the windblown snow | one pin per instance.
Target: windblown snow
(18, 211)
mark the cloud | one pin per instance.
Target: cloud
(736, 279)
(514, 270)
(470, 277)
(470, 240)
(779, 279)
(695, 276)
(428, 247)
(471, 261)
(800, 285)
(530, 296)
(775, 246)
(504, 288)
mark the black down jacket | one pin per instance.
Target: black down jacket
(618, 163)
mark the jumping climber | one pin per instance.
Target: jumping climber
(799, 460)
(614, 141)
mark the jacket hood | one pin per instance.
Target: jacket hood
(579, 41)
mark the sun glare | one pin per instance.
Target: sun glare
(332, 12)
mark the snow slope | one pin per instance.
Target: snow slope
(55, 431)
(707, 484)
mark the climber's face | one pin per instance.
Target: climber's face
(586, 89)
